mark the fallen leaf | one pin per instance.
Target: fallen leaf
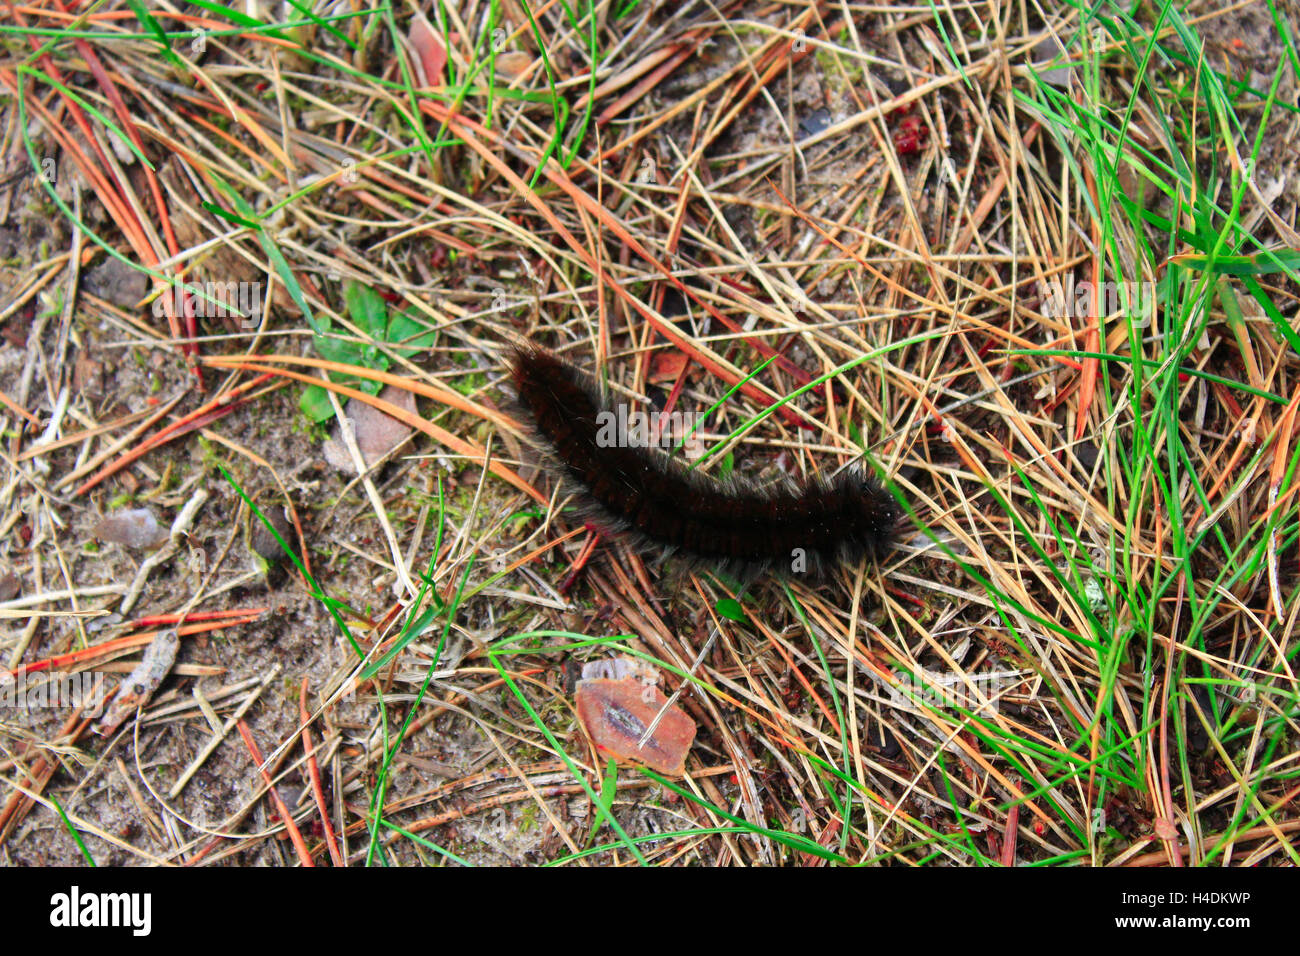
(377, 434)
(617, 713)
(430, 55)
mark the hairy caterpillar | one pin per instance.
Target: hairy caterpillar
(659, 504)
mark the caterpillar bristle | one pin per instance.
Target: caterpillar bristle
(659, 505)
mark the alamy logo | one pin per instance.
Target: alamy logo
(1070, 299)
(977, 693)
(214, 300)
(73, 909)
(54, 690)
(638, 429)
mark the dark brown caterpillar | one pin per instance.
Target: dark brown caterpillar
(659, 504)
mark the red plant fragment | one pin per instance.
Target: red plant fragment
(667, 366)
(430, 55)
(911, 136)
(616, 714)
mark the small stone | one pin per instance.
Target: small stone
(512, 63)
(88, 376)
(619, 668)
(135, 528)
(815, 122)
(117, 282)
(260, 538)
(1049, 50)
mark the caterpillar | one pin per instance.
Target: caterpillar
(658, 504)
